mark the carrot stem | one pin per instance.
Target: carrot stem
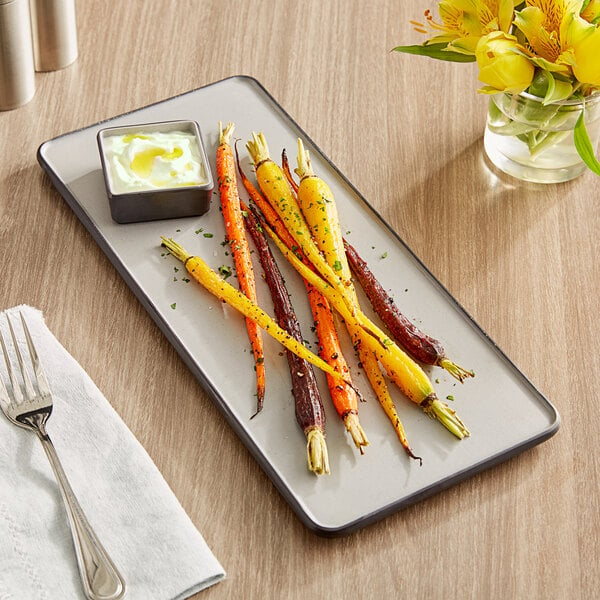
(285, 166)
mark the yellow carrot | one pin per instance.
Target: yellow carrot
(318, 206)
(217, 286)
(379, 385)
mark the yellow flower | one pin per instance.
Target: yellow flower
(464, 22)
(582, 48)
(541, 21)
(503, 64)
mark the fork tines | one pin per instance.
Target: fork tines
(39, 373)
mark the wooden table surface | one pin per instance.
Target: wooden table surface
(407, 131)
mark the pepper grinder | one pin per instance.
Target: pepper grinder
(54, 31)
(17, 74)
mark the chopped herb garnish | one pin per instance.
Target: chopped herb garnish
(225, 271)
(174, 305)
(208, 235)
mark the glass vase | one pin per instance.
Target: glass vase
(534, 142)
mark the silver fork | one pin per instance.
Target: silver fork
(101, 580)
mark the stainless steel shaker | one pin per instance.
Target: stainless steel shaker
(54, 30)
(17, 74)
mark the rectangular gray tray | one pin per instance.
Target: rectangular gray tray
(502, 409)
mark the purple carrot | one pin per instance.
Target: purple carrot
(310, 413)
(418, 344)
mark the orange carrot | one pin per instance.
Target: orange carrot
(343, 396)
(234, 226)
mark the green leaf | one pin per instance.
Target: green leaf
(584, 145)
(557, 91)
(437, 51)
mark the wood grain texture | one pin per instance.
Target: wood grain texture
(407, 131)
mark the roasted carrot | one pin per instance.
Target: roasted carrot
(310, 413)
(319, 208)
(234, 228)
(344, 397)
(314, 200)
(418, 344)
(217, 286)
(269, 213)
(378, 383)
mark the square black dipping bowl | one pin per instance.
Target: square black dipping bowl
(155, 171)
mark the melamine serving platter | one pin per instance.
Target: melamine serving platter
(502, 409)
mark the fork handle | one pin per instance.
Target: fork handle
(101, 580)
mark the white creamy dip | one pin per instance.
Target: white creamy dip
(151, 160)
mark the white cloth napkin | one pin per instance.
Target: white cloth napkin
(154, 544)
